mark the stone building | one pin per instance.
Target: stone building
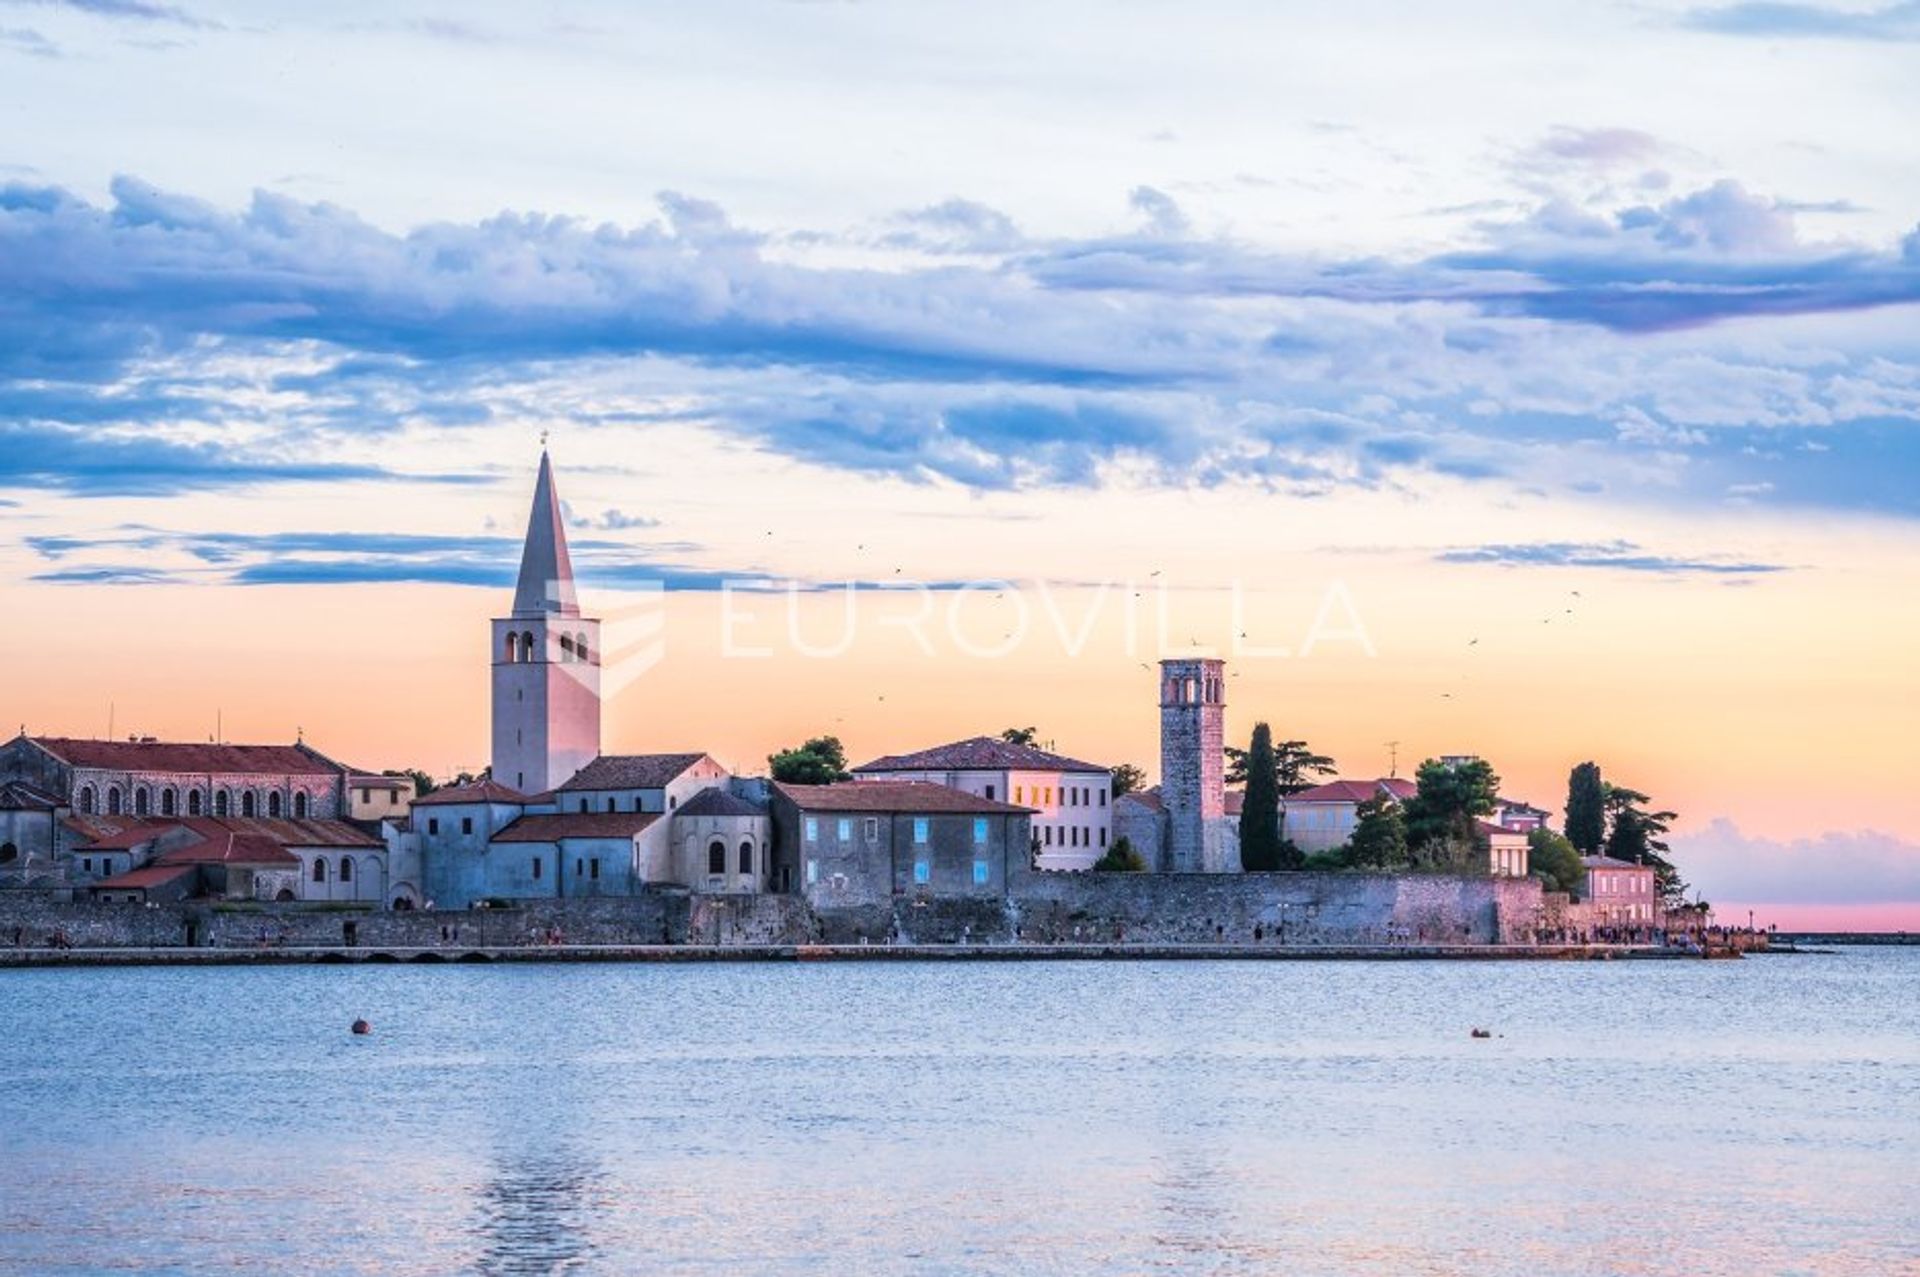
(1193, 703)
(232, 858)
(863, 844)
(1619, 893)
(146, 777)
(33, 835)
(546, 661)
(1071, 800)
(1322, 818)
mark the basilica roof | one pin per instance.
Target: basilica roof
(719, 802)
(170, 756)
(576, 824)
(631, 771)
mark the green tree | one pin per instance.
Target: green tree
(1379, 835)
(422, 783)
(1447, 799)
(1638, 836)
(1121, 858)
(1020, 735)
(1295, 766)
(1260, 812)
(1586, 809)
(1128, 779)
(1553, 859)
(820, 761)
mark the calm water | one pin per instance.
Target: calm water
(1731, 1117)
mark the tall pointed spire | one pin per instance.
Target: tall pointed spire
(546, 572)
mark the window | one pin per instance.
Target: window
(813, 835)
(872, 828)
(613, 804)
(140, 801)
(813, 871)
(580, 645)
(320, 869)
(526, 646)
(980, 873)
(593, 869)
(980, 829)
(537, 866)
(299, 806)
(193, 802)
(566, 648)
(247, 807)
(113, 800)
(746, 858)
(922, 872)
(1103, 797)
(86, 799)
(346, 869)
(433, 825)
(845, 830)
(1019, 793)
(989, 791)
(1103, 837)
(920, 829)
(86, 864)
(273, 806)
(716, 857)
(169, 801)
(583, 804)
(222, 802)
(466, 824)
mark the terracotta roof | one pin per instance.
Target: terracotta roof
(1355, 791)
(147, 876)
(894, 796)
(1488, 828)
(18, 795)
(372, 780)
(715, 801)
(479, 791)
(226, 847)
(631, 771)
(577, 824)
(980, 753)
(282, 833)
(1148, 798)
(170, 756)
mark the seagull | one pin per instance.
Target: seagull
(1473, 642)
(1155, 572)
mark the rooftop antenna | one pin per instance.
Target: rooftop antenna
(219, 728)
(109, 720)
(543, 440)
(1393, 759)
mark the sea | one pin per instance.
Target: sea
(968, 1117)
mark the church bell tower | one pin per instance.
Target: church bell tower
(546, 662)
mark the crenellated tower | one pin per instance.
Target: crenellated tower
(546, 661)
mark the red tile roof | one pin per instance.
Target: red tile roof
(979, 753)
(715, 801)
(892, 796)
(479, 791)
(1148, 798)
(579, 824)
(1488, 828)
(1609, 862)
(224, 847)
(131, 833)
(142, 878)
(19, 795)
(199, 759)
(631, 771)
(1356, 791)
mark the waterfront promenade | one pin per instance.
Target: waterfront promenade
(1020, 952)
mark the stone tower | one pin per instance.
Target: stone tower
(1193, 789)
(546, 662)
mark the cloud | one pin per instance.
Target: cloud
(1620, 556)
(1162, 214)
(96, 463)
(28, 41)
(956, 226)
(1792, 21)
(138, 10)
(1835, 868)
(1598, 146)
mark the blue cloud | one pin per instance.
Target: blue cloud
(1619, 556)
(1759, 18)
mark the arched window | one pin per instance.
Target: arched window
(580, 645)
(566, 648)
(320, 869)
(300, 806)
(142, 801)
(716, 857)
(221, 802)
(86, 799)
(169, 802)
(193, 802)
(346, 869)
(113, 800)
(746, 857)
(513, 646)
(273, 805)
(8, 853)
(247, 806)
(526, 645)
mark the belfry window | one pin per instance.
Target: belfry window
(580, 645)
(566, 648)
(526, 646)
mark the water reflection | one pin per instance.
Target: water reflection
(537, 1212)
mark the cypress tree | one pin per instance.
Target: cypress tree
(1586, 809)
(1260, 812)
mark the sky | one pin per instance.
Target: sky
(1539, 381)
